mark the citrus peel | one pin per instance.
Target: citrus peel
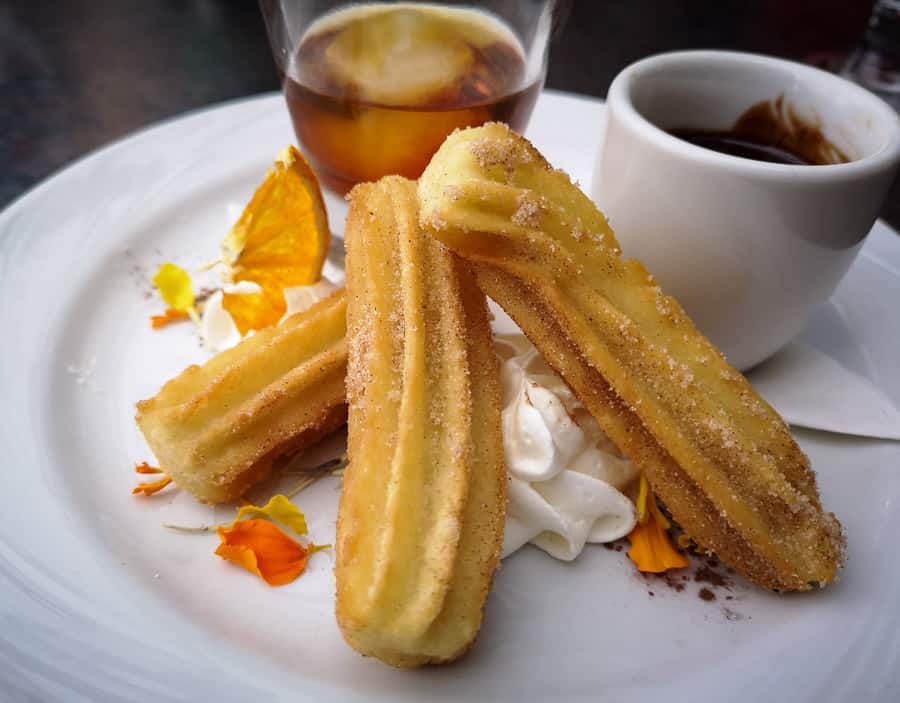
(280, 241)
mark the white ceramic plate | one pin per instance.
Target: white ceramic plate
(98, 602)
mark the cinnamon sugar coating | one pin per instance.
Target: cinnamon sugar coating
(717, 454)
(216, 429)
(421, 516)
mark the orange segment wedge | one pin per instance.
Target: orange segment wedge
(280, 241)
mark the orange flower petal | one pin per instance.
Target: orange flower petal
(148, 489)
(170, 315)
(145, 468)
(262, 548)
(651, 549)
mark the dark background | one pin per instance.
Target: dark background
(75, 75)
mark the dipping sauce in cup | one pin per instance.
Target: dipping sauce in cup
(769, 132)
(749, 246)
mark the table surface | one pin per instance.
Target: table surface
(76, 74)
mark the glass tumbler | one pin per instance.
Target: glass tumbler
(374, 88)
(875, 64)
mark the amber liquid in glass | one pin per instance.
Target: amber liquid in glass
(374, 90)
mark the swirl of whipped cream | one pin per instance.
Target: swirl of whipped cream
(300, 298)
(565, 476)
(217, 330)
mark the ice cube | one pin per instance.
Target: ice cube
(400, 57)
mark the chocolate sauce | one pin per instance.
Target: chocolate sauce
(728, 143)
(769, 131)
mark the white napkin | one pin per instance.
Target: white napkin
(810, 389)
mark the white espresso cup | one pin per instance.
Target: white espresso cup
(749, 248)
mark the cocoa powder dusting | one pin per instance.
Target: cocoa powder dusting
(204, 294)
(673, 583)
(732, 616)
(706, 574)
(706, 594)
(669, 580)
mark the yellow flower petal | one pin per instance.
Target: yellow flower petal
(641, 504)
(280, 509)
(174, 284)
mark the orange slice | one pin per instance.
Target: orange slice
(280, 241)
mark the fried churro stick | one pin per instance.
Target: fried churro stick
(420, 524)
(217, 428)
(720, 457)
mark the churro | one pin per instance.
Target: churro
(420, 523)
(217, 428)
(721, 459)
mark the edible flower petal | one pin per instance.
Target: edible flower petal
(169, 315)
(151, 487)
(260, 547)
(280, 509)
(145, 468)
(641, 503)
(651, 549)
(174, 284)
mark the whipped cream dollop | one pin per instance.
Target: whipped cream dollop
(217, 328)
(300, 298)
(565, 476)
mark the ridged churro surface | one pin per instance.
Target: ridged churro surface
(421, 515)
(217, 428)
(719, 456)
